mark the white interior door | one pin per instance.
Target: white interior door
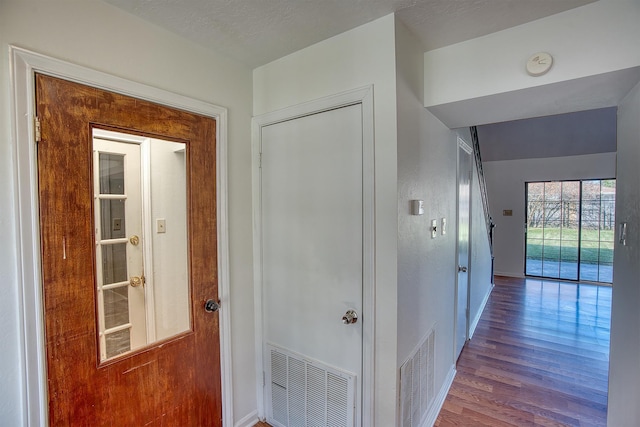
(464, 209)
(312, 259)
(119, 247)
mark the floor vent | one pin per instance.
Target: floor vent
(307, 393)
(417, 383)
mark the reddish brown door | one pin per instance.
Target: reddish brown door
(172, 383)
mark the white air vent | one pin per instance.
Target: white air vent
(417, 383)
(307, 393)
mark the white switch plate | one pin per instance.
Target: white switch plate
(161, 225)
(443, 226)
(434, 228)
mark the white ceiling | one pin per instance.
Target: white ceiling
(256, 32)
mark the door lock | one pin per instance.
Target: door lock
(350, 317)
(462, 269)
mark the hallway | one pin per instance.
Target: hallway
(539, 357)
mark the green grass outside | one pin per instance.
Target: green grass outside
(562, 245)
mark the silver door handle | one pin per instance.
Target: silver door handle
(462, 269)
(350, 317)
(210, 306)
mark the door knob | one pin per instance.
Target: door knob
(350, 317)
(462, 269)
(211, 306)
(136, 281)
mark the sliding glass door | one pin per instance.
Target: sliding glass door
(569, 230)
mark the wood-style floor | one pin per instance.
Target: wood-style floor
(539, 357)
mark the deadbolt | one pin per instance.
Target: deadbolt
(350, 317)
(211, 306)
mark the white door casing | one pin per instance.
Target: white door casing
(314, 239)
(463, 246)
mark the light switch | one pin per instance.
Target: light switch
(161, 225)
(443, 226)
(434, 228)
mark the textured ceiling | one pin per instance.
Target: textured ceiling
(585, 132)
(256, 32)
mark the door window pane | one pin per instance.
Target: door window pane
(112, 219)
(142, 249)
(116, 307)
(114, 263)
(111, 173)
(117, 342)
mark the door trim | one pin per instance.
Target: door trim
(23, 65)
(364, 97)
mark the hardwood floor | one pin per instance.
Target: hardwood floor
(539, 357)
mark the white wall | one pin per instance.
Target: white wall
(426, 171)
(484, 80)
(624, 362)
(169, 266)
(607, 30)
(99, 36)
(360, 57)
(506, 188)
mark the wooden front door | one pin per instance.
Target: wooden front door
(175, 381)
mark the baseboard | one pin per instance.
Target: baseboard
(248, 421)
(474, 324)
(432, 415)
(505, 274)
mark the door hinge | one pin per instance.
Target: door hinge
(37, 129)
(264, 379)
(259, 160)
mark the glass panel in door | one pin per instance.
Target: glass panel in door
(597, 231)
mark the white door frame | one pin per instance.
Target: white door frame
(462, 144)
(364, 97)
(23, 65)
